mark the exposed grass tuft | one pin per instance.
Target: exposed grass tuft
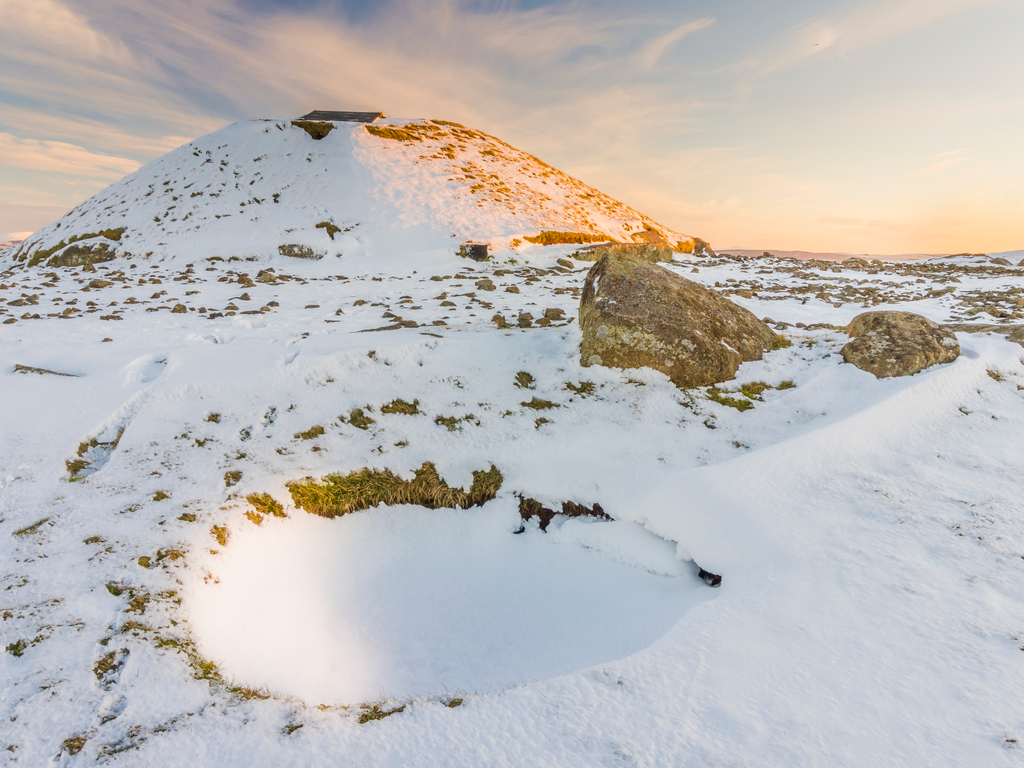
(720, 397)
(338, 495)
(265, 504)
(358, 418)
(524, 380)
(451, 423)
(585, 388)
(787, 384)
(74, 744)
(28, 530)
(221, 534)
(754, 389)
(331, 228)
(401, 406)
(310, 433)
(393, 133)
(161, 495)
(376, 713)
(232, 477)
(781, 342)
(213, 418)
(548, 237)
(538, 404)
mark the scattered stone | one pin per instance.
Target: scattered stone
(525, 320)
(635, 314)
(512, 289)
(179, 309)
(889, 344)
(485, 285)
(554, 313)
(499, 320)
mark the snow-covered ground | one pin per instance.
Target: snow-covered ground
(869, 533)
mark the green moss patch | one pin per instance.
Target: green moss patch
(338, 494)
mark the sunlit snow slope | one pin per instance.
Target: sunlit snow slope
(398, 187)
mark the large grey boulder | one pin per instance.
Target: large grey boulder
(634, 314)
(891, 344)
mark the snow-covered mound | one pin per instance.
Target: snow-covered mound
(365, 193)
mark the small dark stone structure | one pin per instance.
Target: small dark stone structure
(474, 251)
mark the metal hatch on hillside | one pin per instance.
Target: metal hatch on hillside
(474, 251)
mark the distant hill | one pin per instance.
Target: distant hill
(393, 190)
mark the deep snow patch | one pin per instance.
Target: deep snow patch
(405, 601)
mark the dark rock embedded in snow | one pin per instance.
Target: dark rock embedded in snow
(891, 344)
(635, 314)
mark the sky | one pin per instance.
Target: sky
(879, 127)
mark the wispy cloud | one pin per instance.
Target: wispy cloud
(945, 160)
(61, 157)
(654, 50)
(864, 28)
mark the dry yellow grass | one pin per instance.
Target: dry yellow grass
(338, 495)
(567, 238)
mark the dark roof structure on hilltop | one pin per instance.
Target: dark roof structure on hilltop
(343, 117)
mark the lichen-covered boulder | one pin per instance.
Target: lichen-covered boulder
(635, 314)
(891, 344)
(644, 251)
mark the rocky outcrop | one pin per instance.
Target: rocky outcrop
(80, 255)
(635, 314)
(889, 344)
